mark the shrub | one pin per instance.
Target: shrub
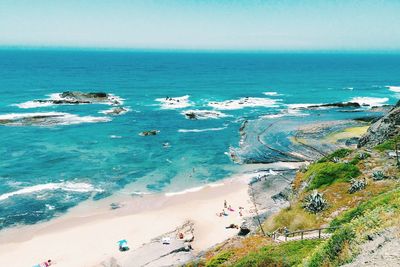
(380, 200)
(284, 254)
(378, 175)
(326, 173)
(328, 253)
(360, 156)
(387, 145)
(219, 259)
(335, 156)
(357, 185)
(315, 202)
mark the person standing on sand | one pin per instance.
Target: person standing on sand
(225, 204)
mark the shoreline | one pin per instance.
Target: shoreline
(96, 226)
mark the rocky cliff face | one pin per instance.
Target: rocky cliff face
(385, 128)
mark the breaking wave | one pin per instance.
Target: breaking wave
(65, 186)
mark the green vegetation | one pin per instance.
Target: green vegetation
(382, 200)
(285, 254)
(219, 259)
(357, 225)
(340, 153)
(344, 202)
(326, 173)
(330, 251)
(388, 145)
(359, 157)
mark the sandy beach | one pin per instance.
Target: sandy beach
(86, 236)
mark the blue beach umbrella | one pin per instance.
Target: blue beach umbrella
(122, 242)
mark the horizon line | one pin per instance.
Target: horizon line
(197, 50)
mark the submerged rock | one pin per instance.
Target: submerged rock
(115, 111)
(148, 133)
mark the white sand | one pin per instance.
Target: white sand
(87, 235)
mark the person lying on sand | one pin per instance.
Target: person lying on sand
(43, 264)
(230, 208)
(232, 226)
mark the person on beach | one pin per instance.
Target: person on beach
(44, 264)
(123, 245)
(240, 213)
(232, 226)
(225, 204)
(230, 208)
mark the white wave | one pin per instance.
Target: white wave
(348, 88)
(370, 101)
(272, 93)
(192, 190)
(174, 102)
(50, 207)
(200, 130)
(204, 114)
(244, 103)
(65, 186)
(394, 88)
(286, 113)
(115, 136)
(48, 119)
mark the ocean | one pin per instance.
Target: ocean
(84, 152)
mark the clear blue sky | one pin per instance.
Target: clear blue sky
(190, 24)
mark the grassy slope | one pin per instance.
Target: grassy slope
(359, 214)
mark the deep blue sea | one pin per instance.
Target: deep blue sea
(85, 154)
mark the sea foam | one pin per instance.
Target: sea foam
(174, 102)
(272, 93)
(65, 186)
(394, 88)
(48, 119)
(370, 101)
(244, 103)
(204, 114)
(200, 130)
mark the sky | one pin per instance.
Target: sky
(202, 25)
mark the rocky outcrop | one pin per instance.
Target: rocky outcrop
(385, 128)
(337, 105)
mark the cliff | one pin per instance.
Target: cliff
(384, 129)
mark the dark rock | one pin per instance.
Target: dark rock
(77, 95)
(243, 231)
(191, 115)
(148, 133)
(385, 128)
(336, 105)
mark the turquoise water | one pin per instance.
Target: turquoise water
(44, 170)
